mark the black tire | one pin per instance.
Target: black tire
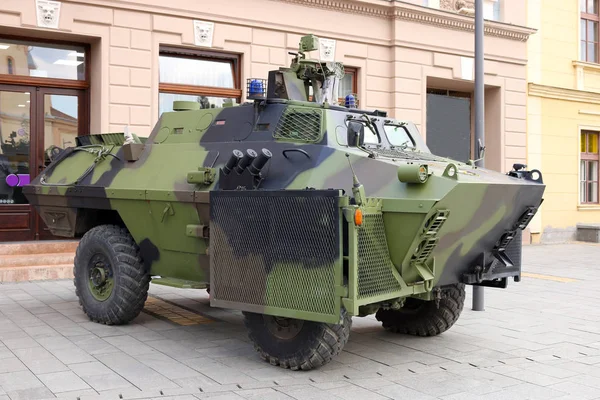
(122, 263)
(314, 345)
(424, 318)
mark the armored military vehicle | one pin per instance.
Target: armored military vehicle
(296, 210)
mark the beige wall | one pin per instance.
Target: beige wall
(398, 47)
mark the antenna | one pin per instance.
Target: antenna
(354, 177)
(357, 187)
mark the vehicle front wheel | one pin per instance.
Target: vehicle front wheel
(425, 318)
(297, 344)
(110, 279)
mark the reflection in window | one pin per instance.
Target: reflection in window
(371, 136)
(348, 85)
(165, 101)
(14, 146)
(60, 122)
(208, 79)
(42, 60)
(398, 136)
(196, 72)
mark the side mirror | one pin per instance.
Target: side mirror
(355, 134)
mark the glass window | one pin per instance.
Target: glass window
(196, 72)
(371, 136)
(165, 101)
(14, 146)
(588, 30)
(61, 113)
(207, 78)
(398, 135)
(42, 60)
(588, 167)
(348, 85)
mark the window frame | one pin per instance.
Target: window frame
(585, 157)
(197, 90)
(14, 79)
(354, 72)
(588, 17)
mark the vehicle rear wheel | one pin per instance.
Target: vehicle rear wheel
(110, 279)
(297, 344)
(425, 318)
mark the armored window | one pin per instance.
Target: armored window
(209, 78)
(397, 135)
(588, 24)
(588, 168)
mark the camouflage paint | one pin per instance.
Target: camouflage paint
(163, 197)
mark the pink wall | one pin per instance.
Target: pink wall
(397, 46)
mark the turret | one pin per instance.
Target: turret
(294, 83)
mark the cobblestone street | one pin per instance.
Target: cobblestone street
(539, 339)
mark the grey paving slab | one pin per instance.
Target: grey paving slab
(21, 380)
(35, 393)
(538, 339)
(40, 360)
(65, 381)
(135, 372)
(11, 364)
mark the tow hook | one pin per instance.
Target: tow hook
(519, 171)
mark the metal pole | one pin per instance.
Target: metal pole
(478, 297)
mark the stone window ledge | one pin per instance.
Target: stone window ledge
(580, 68)
(594, 207)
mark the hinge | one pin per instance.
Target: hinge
(204, 176)
(199, 231)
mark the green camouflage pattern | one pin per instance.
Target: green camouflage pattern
(283, 238)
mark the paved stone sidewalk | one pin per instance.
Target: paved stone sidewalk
(539, 339)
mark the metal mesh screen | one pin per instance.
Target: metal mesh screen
(299, 124)
(275, 249)
(374, 264)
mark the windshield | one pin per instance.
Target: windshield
(398, 136)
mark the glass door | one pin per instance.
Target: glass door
(59, 118)
(17, 133)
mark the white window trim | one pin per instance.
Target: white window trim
(583, 206)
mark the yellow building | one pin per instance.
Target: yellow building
(563, 114)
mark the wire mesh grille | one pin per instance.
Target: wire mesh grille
(374, 264)
(302, 125)
(275, 249)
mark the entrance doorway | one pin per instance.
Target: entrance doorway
(43, 103)
(449, 123)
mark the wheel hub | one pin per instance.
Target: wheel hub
(283, 328)
(100, 277)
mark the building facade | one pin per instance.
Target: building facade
(72, 67)
(564, 114)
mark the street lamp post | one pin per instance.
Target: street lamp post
(478, 295)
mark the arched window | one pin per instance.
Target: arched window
(11, 62)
